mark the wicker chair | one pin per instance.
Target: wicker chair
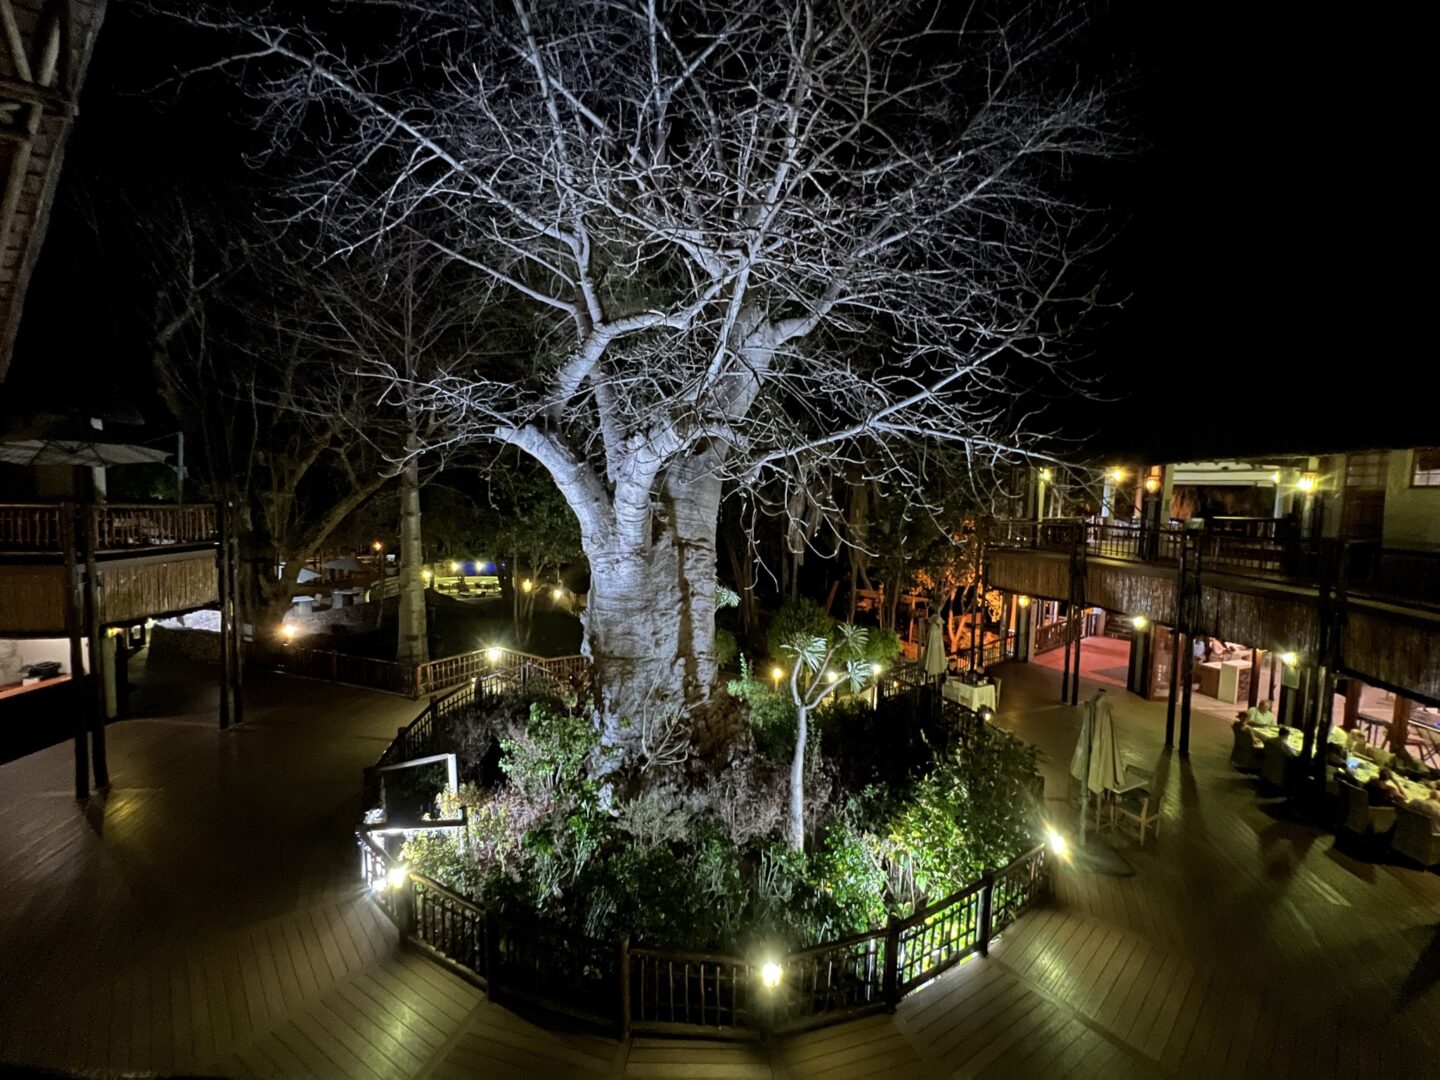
(1278, 763)
(1246, 756)
(1369, 824)
(1416, 836)
(1134, 805)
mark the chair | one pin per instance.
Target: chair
(1133, 804)
(1277, 763)
(1246, 756)
(1416, 836)
(1370, 824)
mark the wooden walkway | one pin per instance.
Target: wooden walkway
(204, 919)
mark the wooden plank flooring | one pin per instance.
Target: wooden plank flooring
(204, 918)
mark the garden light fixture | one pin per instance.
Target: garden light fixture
(287, 631)
(454, 566)
(1058, 844)
(527, 584)
(557, 593)
(494, 653)
(1023, 601)
(877, 669)
(1045, 474)
(1152, 484)
(377, 546)
(1288, 658)
(397, 876)
(1139, 622)
(427, 575)
(777, 673)
(1307, 482)
(770, 974)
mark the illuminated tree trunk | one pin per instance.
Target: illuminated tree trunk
(413, 647)
(650, 615)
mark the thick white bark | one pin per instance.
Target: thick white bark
(650, 615)
(413, 647)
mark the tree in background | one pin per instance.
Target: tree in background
(533, 527)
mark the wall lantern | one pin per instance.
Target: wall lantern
(770, 974)
(1023, 601)
(1139, 622)
(1152, 484)
(1308, 482)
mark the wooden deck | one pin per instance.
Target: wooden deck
(205, 919)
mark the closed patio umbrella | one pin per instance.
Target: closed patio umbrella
(935, 662)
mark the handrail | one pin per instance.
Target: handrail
(450, 671)
(679, 992)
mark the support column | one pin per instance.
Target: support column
(1353, 689)
(222, 588)
(1171, 702)
(1400, 723)
(95, 631)
(74, 630)
(1253, 698)
(237, 630)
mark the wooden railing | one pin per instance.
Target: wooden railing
(678, 991)
(675, 992)
(671, 992)
(520, 668)
(31, 527)
(40, 527)
(940, 935)
(1049, 636)
(122, 527)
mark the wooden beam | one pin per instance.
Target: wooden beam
(1353, 687)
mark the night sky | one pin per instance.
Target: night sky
(1262, 310)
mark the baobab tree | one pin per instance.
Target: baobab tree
(749, 242)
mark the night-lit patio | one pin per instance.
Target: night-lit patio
(209, 919)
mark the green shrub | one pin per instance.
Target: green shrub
(800, 617)
(726, 647)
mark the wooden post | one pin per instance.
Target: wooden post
(623, 958)
(1079, 635)
(222, 588)
(1253, 698)
(987, 897)
(1065, 668)
(1353, 687)
(74, 621)
(891, 981)
(1400, 723)
(1174, 685)
(95, 617)
(237, 643)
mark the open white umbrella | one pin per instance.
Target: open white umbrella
(94, 455)
(935, 662)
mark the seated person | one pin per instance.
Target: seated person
(1429, 806)
(1283, 737)
(1337, 753)
(1261, 715)
(1357, 741)
(1384, 790)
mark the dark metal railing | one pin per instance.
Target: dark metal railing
(678, 992)
(665, 991)
(1259, 548)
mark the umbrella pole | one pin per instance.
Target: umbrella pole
(1089, 728)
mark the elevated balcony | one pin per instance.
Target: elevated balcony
(150, 559)
(1258, 586)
